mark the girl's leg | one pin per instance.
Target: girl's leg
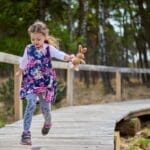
(45, 109)
(31, 105)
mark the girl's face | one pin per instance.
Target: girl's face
(37, 39)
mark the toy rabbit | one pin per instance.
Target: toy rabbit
(79, 58)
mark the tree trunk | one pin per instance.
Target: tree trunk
(145, 17)
(140, 48)
(83, 11)
(145, 22)
(42, 9)
(102, 47)
(70, 22)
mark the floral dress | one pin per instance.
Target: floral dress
(39, 76)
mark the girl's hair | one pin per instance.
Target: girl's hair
(40, 27)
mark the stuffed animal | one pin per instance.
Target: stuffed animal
(79, 57)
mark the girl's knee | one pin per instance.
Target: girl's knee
(31, 101)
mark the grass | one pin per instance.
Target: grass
(142, 143)
(2, 123)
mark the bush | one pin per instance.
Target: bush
(143, 143)
(6, 96)
(61, 91)
(2, 122)
(7, 93)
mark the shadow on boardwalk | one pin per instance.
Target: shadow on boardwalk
(89, 127)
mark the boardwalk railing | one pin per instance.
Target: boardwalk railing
(12, 59)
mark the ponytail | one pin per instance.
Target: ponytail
(52, 41)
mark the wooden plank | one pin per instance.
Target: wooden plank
(13, 59)
(60, 64)
(17, 102)
(117, 140)
(76, 120)
(138, 113)
(88, 127)
(9, 58)
(118, 85)
(70, 74)
(101, 68)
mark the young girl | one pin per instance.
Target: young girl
(39, 78)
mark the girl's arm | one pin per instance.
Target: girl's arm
(19, 72)
(24, 60)
(22, 63)
(69, 57)
(60, 54)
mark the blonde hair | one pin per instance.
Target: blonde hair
(52, 41)
(40, 27)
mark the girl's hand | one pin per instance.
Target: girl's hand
(72, 56)
(69, 57)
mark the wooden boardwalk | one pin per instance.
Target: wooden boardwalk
(89, 127)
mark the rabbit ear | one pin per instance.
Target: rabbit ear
(80, 48)
(84, 50)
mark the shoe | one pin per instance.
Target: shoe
(26, 138)
(46, 128)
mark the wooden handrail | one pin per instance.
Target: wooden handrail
(13, 59)
(101, 68)
(9, 58)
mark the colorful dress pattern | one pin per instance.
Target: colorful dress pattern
(39, 76)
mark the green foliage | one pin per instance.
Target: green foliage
(2, 122)
(143, 143)
(15, 19)
(63, 19)
(6, 97)
(13, 45)
(61, 92)
(66, 18)
(6, 70)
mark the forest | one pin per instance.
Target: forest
(116, 33)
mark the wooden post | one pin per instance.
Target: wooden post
(117, 140)
(17, 101)
(118, 85)
(70, 74)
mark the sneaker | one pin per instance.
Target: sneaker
(26, 138)
(46, 128)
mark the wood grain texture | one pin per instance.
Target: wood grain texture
(88, 127)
